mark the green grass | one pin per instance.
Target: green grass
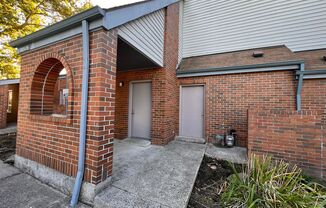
(271, 184)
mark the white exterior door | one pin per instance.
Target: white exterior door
(141, 110)
(192, 111)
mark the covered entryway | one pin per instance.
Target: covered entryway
(103, 54)
(140, 114)
(192, 111)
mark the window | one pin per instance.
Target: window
(61, 93)
(9, 109)
(64, 96)
(61, 85)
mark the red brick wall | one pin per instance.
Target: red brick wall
(229, 96)
(122, 100)
(164, 88)
(298, 138)
(3, 105)
(314, 94)
(171, 90)
(53, 141)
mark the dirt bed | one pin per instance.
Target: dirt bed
(7, 147)
(211, 176)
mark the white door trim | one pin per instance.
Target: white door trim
(130, 102)
(204, 105)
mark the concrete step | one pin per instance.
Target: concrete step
(231, 154)
(190, 139)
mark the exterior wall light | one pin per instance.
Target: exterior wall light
(121, 84)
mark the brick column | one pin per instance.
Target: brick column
(3, 106)
(101, 106)
(165, 83)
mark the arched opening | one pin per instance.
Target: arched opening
(50, 89)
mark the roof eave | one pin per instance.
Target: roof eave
(111, 18)
(9, 81)
(237, 69)
(90, 14)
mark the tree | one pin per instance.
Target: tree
(22, 17)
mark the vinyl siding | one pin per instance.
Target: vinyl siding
(218, 26)
(147, 35)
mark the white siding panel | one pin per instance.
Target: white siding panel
(217, 26)
(147, 35)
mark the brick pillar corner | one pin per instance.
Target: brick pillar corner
(101, 106)
(3, 106)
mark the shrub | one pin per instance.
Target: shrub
(270, 183)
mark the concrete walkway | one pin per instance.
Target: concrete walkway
(146, 175)
(19, 190)
(233, 154)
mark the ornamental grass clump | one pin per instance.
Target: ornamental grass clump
(270, 183)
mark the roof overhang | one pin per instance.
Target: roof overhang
(121, 15)
(98, 17)
(312, 74)
(91, 14)
(9, 81)
(275, 66)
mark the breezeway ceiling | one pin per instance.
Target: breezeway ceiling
(130, 58)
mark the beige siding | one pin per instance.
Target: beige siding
(217, 26)
(147, 35)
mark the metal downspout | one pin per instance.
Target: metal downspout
(299, 89)
(83, 116)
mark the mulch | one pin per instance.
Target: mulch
(7, 147)
(211, 177)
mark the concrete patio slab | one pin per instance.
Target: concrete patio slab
(233, 154)
(22, 191)
(19, 190)
(125, 199)
(7, 170)
(145, 175)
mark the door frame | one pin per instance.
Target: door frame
(204, 106)
(130, 103)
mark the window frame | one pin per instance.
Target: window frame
(9, 101)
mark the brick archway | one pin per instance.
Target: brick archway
(43, 84)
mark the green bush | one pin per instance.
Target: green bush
(270, 183)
